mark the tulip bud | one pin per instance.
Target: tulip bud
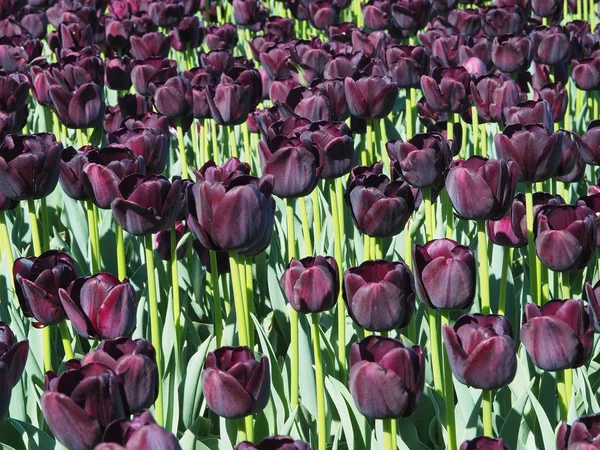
(222, 37)
(173, 97)
(484, 443)
(323, 14)
(14, 356)
(529, 113)
(406, 64)
(376, 14)
(498, 21)
(380, 295)
(229, 102)
(447, 90)
(82, 108)
(481, 350)
(274, 443)
(512, 53)
(546, 8)
(370, 97)
(571, 165)
(386, 379)
(593, 298)
(556, 96)
(235, 384)
(335, 144)
(444, 274)
(411, 15)
(558, 335)
(150, 45)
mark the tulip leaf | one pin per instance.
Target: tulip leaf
(36, 438)
(409, 436)
(192, 390)
(510, 430)
(546, 429)
(10, 438)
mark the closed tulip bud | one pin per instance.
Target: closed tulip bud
(481, 350)
(586, 73)
(422, 161)
(234, 383)
(444, 274)
(546, 8)
(310, 103)
(75, 35)
(380, 207)
(518, 212)
(491, 94)
(379, 295)
(338, 104)
(484, 443)
(162, 242)
(82, 108)
(530, 112)
(370, 97)
(13, 355)
(14, 92)
(406, 64)
(80, 404)
(447, 90)
(481, 188)
(231, 210)
(536, 152)
(565, 237)
(274, 443)
(106, 168)
(37, 281)
(501, 233)
(188, 34)
(467, 20)
(582, 434)
(229, 102)
(558, 335)
(571, 165)
(117, 33)
(590, 143)
(512, 53)
(249, 13)
(134, 362)
(29, 165)
(274, 61)
(100, 306)
(222, 37)
(151, 144)
(150, 45)
(556, 96)
(173, 97)
(71, 171)
(311, 284)
(386, 378)
(551, 45)
(334, 142)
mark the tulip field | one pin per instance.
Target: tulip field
(299, 224)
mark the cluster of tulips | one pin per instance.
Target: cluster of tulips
(407, 149)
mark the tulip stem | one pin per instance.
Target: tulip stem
(448, 389)
(5, 241)
(233, 142)
(154, 324)
(176, 300)
(316, 205)
(320, 380)
(532, 257)
(295, 362)
(121, 266)
(45, 225)
(335, 196)
(484, 275)
(387, 434)
(214, 280)
(249, 299)
(486, 406)
(214, 141)
(410, 132)
(66, 340)
(238, 297)
(506, 261)
(93, 231)
(436, 358)
(563, 401)
(308, 248)
(182, 155)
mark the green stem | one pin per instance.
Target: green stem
(176, 304)
(45, 225)
(387, 434)
(410, 131)
(233, 143)
(448, 390)
(5, 242)
(295, 361)
(308, 248)
(531, 256)
(320, 381)
(482, 259)
(394, 433)
(182, 155)
(249, 305)
(316, 205)
(195, 147)
(475, 128)
(215, 143)
(238, 298)
(486, 406)
(506, 261)
(484, 140)
(214, 281)
(428, 214)
(154, 324)
(436, 357)
(544, 287)
(242, 435)
(369, 142)
(561, 389)
(249, 428)
(335, 194)
(121, 265)
(93, 231)
(66, 340)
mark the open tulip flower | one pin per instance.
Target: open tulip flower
(370, 97)
(274, 443)
(583, 433)
(518, 211)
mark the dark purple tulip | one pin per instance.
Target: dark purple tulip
(379, 207)
(376, 14)
(14, 92)
(151, 69)
(188, 34)
(546, 8)
(147, 204)
(586, 73)
(338, 104)
(379, 295)
(518, 213)
(491, 94)
(117, 33)
(481, 188)
(150, 45)
(323, 14)
(165, 14)
(37, 282)
(281, 27)
(80, 403)
(204, 255)
(162, 242)
(444, 274)
(467, 20)
(484, 443)
(75, 35)
(590, 143)
(106, 168)
(512, 53)
(406, 64)
(551, 45)
(593, 298)
(222, 37)
(229, 102)
(71, 171)
(571, 165)
(274, 61)
(274, 443)
(556, 96)
(249, 13)
(583, 434)
(134, 361)
(386, 378)
(498, 21)
(82, 108)
(295, 165)
(558, 335)
(530, 112)
(117, 74)
(152, 144)
(311, 284)
(536, 152)
(410, 15)
(260, 120)
(481, 350)
(501, 233)
(370, 44)
(565, 237)
(446, 50)
(29, 165)
(231, 210)
(234, 383)
(422, 161)
(172, 98)
(100, 306)
(447, 89)
(334, 142)
(13, 355)
(310, 103)
(370, 97)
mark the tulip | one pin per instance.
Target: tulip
(376, 14)
(14, 92)
(100, 306)
(586, 73)
(422, 161)
(582, 434)
(536, 152)
(149, 143)
(234, 383)
(162, 242)
(274, 443)
(240, 214)
(512, 53)
(311, 284)
(151, 69)
(37, 282)
(173, 98)
(379, 295)
(467, 20)
(13, 357)
(379, 207)
(571, 165)
(75, 35)
(117, 33)
(147, 204)
(493, 93)
(188, 34)
(481, 188)
(323, 14)
(565, 237)
(484, 443)
(165, 14)
(444, 274)
(311, 103)
(221, 37)
(29, 165)
(406, 64)
(281, 27)
(481, 350)
(518, 217)
(558, 335)
(410, 15)
(334, 142)
(501, 233)
(370, 97)
(134, 361)
(551, 45)
(106, 168)
(386, 378)
(556, 96)
(229, 102)
(546, 8)
(593, 298)
(529, 113)
(589, 143)
(118, 74)
(249, 13)
(447, 90)
(498, 21)
(150, 45)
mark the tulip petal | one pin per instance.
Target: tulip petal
(550, 343)
(15, 359)
(224, 395)
(80, 322)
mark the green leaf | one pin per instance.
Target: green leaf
(192, 390)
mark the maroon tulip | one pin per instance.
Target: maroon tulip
(379, 207)
(593, 299)
(498, 21)
(370, 97)
(586, 73)
(249, 13)
(117, 33)
(37, 282)
(386, 378)
(518, 213)
(13, 357)
(222, 37)
(376, 14)
(82, 108)
(151, 144)
(405, 64)
(173, 97)
(582, 434)
(229, 102)
(571, 165)
(14, 92)
(310, 103)
(484, 443)
(444, 274)
(529, 112)
(134, 362)
(235, 384)
(491, 94)
(281, 27)
(165, 14)
(410, 15)
(546, 8)
(501, 233)
(323, 14)
(150, 45)
(556, 96)
(379, 295)
(151, 69)
(162, 242)
(447, 90)
(188, 34)
(481, 350)
(590, 143)
(274, 61)
(558, 335)
(117, 74)
(274, 443)
(551, 45)
(512, 53)
(334, 142)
